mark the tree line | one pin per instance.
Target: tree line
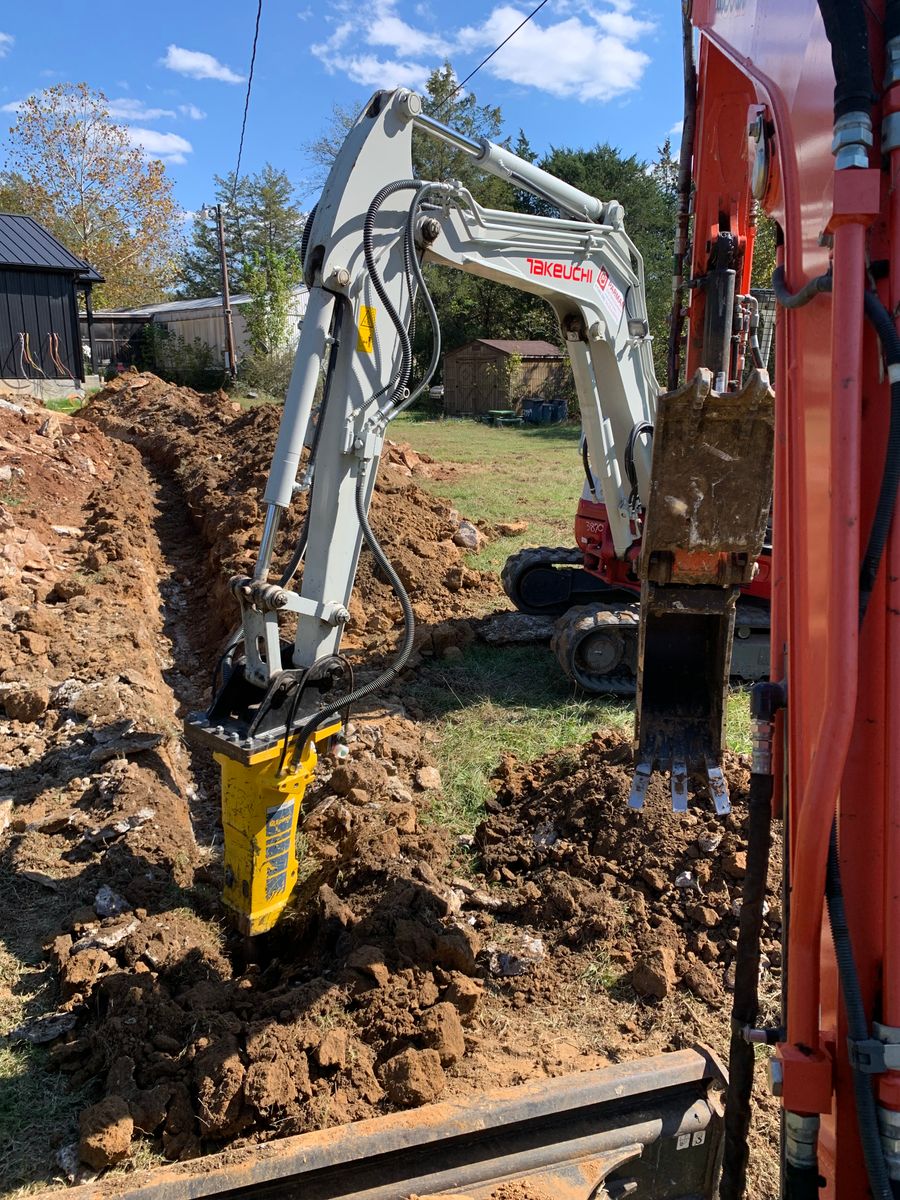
(75, 170)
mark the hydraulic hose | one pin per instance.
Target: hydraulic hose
(409, 625)
(414, 269)
(789, 299)
(378, 283)
(848, 34)
(745, 1009)
(881, 319)
(857, 1027)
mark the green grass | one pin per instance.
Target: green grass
(64, 404)
(505, 475)
(496, 700)
(511, 699)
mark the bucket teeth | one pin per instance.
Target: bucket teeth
(679, 784)
(639, 785)
(718, 789)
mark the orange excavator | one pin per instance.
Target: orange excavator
(794, 109)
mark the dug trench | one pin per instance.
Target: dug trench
(413, 964)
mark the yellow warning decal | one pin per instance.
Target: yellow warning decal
(365, 342)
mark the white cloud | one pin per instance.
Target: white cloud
(580, 56)
(676, 129)
(589, 53)
(192, 111)
(387, 29)
(198, 65)
(305, 13)
(13, 106)
(346, 49)
(170, 147)
(129, 109)
(6, 44)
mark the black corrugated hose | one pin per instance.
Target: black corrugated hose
(848, 34)
(745, 1009)
(409, 625)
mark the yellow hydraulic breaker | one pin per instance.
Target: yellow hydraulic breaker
(261, 802)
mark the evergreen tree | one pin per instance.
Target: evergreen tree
(260, 217)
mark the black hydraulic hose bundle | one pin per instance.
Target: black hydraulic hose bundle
(847, 32)
(377, 282)
(857, 1029)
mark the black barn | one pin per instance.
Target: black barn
(39, 282)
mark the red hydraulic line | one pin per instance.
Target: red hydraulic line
(817, 808)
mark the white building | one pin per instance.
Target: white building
(191, 320)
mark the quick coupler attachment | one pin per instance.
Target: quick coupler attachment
(261, 803)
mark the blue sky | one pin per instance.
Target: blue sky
(580, 72)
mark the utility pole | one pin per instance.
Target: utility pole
(231, 362)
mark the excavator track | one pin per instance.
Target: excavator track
(597, 647)
(545, 581)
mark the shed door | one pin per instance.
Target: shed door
(478, 385)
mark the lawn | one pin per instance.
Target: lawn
(531, 474)
(513, 699)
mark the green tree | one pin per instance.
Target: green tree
(261, 216)
(649, 218)
(270, 278)
(95, 191)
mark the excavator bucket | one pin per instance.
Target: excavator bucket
(710, 496)
(649, 1128)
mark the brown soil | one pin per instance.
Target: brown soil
(399, 976)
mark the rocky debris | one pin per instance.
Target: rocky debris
(27, 703)
(441, 1030)
(428, 779)
(413, 1077)
(511, 528)
(469, 536)
(106, 1130)
(659, 891)
(654, 973)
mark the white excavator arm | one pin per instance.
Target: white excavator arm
(583, 264)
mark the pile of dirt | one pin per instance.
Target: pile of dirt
(90, 742)
(218, 456)
(660, 891)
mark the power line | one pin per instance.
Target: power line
(494, 51)
(237, 169)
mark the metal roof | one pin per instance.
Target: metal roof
(524, 348)
(175, 307)
(26, 244)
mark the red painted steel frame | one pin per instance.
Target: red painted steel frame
(840, 737)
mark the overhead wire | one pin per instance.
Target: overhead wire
(237, 169)
(496, 50)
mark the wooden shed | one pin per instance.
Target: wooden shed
(40, 279)
(493, 373)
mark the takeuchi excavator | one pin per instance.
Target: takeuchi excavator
(792, 109)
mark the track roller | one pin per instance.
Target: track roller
(597, 647)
